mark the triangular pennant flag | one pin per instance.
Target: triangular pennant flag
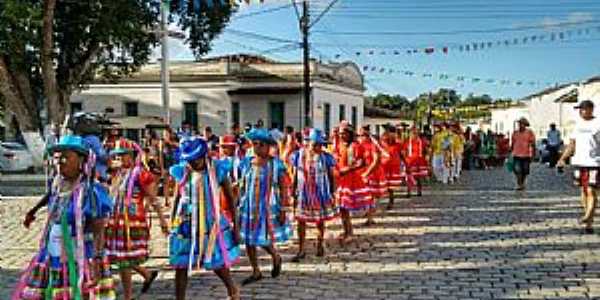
(429, 50)
(357, 53)
(445, 50)
(396, 52)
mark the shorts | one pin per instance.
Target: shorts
(522, 165)
(587, 177)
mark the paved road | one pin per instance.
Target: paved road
(475, 240)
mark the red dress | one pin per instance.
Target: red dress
(418, 166)
(377, 179)
(392, 165)
(128, 231)
(352, 192)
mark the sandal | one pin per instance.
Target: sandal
(148, 283)
(252, 279)
(299, 257)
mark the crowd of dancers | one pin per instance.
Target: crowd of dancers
(240, 190)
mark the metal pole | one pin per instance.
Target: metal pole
(304, 23)
(164, 63)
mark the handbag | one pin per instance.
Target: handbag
(509, 164)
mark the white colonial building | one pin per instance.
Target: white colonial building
(240, 89)
(503, 120)
(556, 105)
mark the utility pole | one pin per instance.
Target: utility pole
(305, 26)
(164, 63)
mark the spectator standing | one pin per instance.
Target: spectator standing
(584, 149)
(554, 143)
(523, 147)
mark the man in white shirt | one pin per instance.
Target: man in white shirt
(584, 149)
(554, 142)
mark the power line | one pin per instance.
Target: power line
(456, 32)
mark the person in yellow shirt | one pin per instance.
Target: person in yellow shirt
(441, 148)
(458, 148)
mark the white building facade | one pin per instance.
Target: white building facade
(503, 120)
(556, 106)
(234, 89)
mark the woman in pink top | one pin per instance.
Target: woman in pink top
(522, 148)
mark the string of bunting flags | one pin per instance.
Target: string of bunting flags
(560, 36)
(458, 78)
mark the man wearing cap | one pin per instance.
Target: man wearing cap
(313, 190)
(202, 236)
(263, 203)
(584, 150)
(73, 239)
(522, 148)
(133, 187)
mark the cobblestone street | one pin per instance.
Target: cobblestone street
(477, 239)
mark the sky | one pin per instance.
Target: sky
(397, 27)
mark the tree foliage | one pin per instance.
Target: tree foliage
(51, 48)
(471, 107)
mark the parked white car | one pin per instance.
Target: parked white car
(15, 157)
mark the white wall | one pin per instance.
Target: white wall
(503, 120)
(254, 107)
(336, 96)
(214, 102)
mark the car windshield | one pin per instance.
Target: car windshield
(13, 146)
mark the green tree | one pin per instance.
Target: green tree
(51, 48)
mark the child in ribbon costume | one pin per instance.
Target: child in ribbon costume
(353, 193)
(128, 231)
(264, 193)
(71, 263)
(202, 236)
(314, 189)
(230, 158)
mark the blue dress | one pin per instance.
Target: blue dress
(195, 227)
(260, 203)
(46, 276)
(316, 201)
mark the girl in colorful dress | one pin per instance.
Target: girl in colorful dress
(353, 193)
(263, 203)
(373, 173)
(314, 189)
(71, 263)
(392, 163)
(418, 163)
(202, 236)
(230, 158)
(128, 231)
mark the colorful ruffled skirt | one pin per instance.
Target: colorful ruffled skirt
(222, 252)
(127, 247)
(353, 193)
(418, 167)
(48, 278)
(260, 224)
(316, 208)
